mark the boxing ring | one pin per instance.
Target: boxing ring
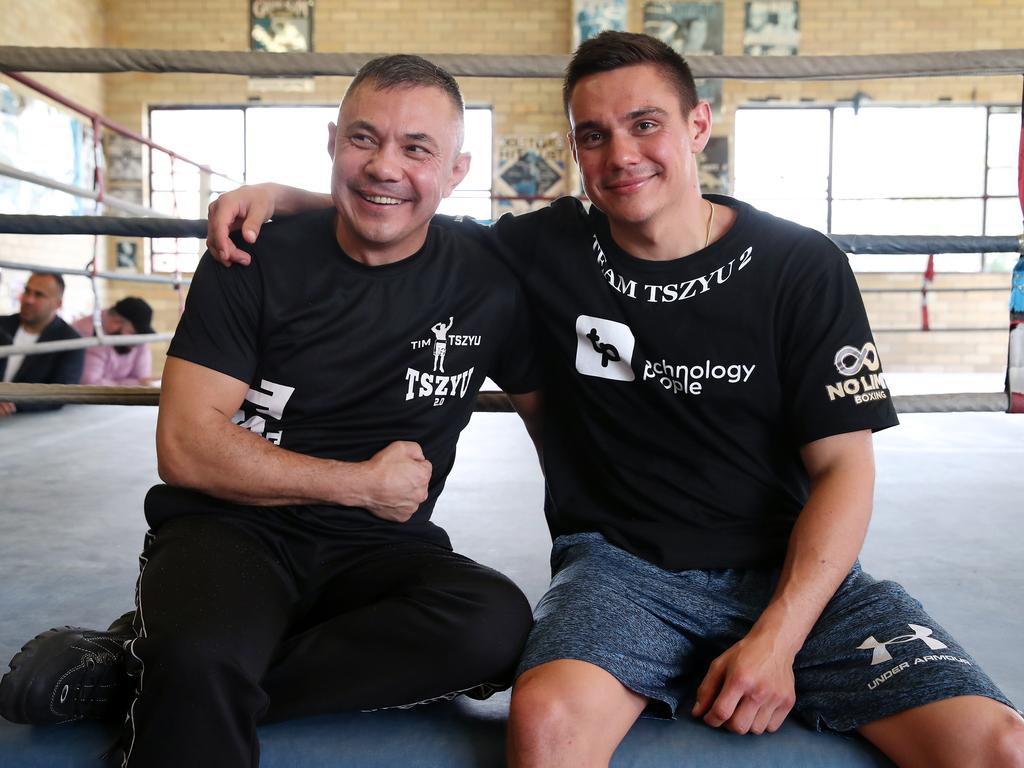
(68, 544)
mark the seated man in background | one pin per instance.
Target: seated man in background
(38, 322)
(119, 366)
(308, 430)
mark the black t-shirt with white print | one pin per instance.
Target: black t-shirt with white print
(344, 359)
(679, 393)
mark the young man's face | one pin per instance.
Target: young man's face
(40, 301)
(635, 149)
(396, 154)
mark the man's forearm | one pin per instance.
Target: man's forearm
(292, 200)
(231, 463)
(823, 546)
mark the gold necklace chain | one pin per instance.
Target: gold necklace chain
(711, 220)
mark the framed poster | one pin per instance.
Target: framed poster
(772, 28)
(594, 16)
(528, 166)
(690, 29)
(281, 26)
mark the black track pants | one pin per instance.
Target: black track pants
(240, 623)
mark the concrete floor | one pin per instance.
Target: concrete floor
(948, 524)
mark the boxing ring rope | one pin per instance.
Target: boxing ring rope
(97, 60)
(486, 402)
(263, 64)
(97, 195)
(24, 224)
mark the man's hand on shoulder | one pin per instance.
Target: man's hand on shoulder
(245, 208)
(398, 479)
(750, 688)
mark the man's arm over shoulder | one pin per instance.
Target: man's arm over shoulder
(248, 208)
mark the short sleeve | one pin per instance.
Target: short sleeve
(219, 328)
(831, 370)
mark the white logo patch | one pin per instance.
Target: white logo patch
(849, 360)
(866, 388)
(880, 654)
(439, 383)
(269, 402)
(604, 349)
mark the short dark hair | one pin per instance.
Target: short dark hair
(404, 70)
(57, 276)
(613, 50)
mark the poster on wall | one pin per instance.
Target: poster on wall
(772, 28)
(594, 16)
(281, 26)
(525, 167)
(713, 166)
(691, 29)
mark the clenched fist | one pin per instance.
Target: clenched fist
(398, 478)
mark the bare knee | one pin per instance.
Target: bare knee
(1007, 744)
(569, 714)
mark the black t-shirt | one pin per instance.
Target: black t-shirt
(344, 359)
(679, 393)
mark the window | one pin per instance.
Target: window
(214, 137)
(944, 170)
(283, 144)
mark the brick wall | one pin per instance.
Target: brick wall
(532, 106)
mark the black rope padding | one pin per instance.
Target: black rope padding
(487, 402)
(971, 402)
(262, 64)
(23, 224)
(896, 244)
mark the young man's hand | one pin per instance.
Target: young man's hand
(748, 689)
(245, 208)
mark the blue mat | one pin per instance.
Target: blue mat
(460, 734)
(71, 527)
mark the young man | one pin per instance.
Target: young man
(709, 464)
(292, 567)
(119, 366)
(38, 322)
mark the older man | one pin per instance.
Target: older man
(293, 568)
(38, 322)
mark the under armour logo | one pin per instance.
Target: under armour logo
(849, 360)
(607, 351)
(879, 652)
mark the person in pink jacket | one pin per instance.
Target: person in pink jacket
(119, 366)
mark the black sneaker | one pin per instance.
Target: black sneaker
(65, 675)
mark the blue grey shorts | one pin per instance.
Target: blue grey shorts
(874, 652)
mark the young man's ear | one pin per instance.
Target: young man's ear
(699, 122)
(571, 138)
